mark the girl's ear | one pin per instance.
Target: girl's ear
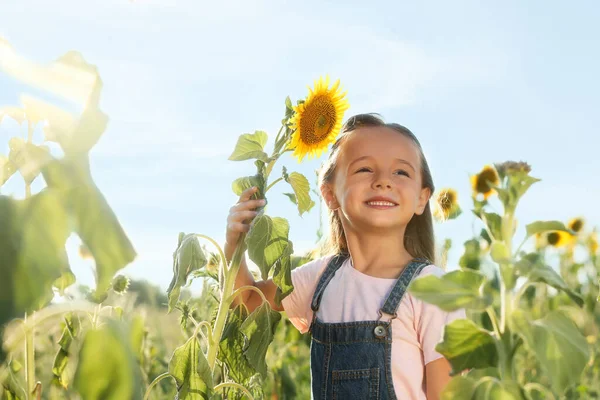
(423, 199)
(329, 196)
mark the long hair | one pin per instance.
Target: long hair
(419, 238)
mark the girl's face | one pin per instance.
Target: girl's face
(377, 181)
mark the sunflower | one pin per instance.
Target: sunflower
(576, 224)
(481, 182)
(446, 205)
(558, 238)
(318, 120)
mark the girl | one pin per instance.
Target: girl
(370, 338)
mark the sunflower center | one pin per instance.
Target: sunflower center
(487, 175)
(318, 120)
(553, 238)
(576, 225)
(447, 200)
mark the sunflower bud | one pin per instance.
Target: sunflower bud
(446, 205)
(512, 167)
(120, 284)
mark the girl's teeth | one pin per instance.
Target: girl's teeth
(380, 203)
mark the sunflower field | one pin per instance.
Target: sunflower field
(532, 302)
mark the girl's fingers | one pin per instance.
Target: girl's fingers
(240, 216)
(247, 205)
(246, 194)
(238, 227)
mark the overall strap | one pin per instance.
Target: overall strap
(334, 264)
(395, 297)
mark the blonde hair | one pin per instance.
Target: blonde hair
(419, 238)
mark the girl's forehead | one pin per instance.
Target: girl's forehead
(378, 142)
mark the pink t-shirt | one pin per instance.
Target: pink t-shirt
(354, 296)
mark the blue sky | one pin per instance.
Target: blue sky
(183, 79)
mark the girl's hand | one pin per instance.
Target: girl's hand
(241, 215)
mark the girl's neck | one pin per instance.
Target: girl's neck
(381, 256)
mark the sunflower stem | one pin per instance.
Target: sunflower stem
(273, 183)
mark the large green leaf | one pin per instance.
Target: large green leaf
(259, 329)
(94, 220)
(188, 257)
(282, 274)
(32, 251)
(250, 145)
(459, 388)
(191, 371)
(491, 388)
(267, 241)
(545, 226)
(533, 267)
(246, 182)
(467, 346)
(232, 347)
(559, 346)
(302, 191)
(28, 158)
(107, 368)
(452, 291)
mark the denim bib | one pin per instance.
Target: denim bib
(352, 360)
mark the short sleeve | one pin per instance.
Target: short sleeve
(297, 304)
(430, 321)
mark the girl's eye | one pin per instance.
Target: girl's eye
(403, 172)
(363, 169)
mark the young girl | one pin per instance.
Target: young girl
(370, 338)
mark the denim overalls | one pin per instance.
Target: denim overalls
(352, 360)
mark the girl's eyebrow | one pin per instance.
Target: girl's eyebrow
(367, 157)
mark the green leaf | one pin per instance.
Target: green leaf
(94, 220)
(32, 251)
(282, 274)
(466, 346)
(70, 331)
(188, 257)
(302, 190)
(452, 291)
(494, 224)
(545, 226)
(459, 388)
(250, 145)
(557, 343)
(259, 329)
(7, 169)
(107, 357)
(28, 158)
(490, 388)
(267, 241)
(533, 267)
(471, 257)
(246, 182)
(191, 371)
(232, 346)
(499, 252)
(66, 279)
(292, 197)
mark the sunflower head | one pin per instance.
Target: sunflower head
(576, 224)
(317, 120)
(483, 181)
(512, 167)
(558, 238)
(446, 205)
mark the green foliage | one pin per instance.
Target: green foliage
(259, 328)
(187, 258)
(466, 346)
(452, 291)
(267, 242)
(107, 357)
(190, 369)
